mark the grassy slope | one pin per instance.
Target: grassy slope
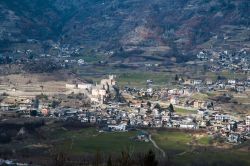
(172, 141)
(89, 141)
(184, 111)
(140, 78)
(84, 141)
(177, 143)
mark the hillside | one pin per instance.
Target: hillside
(167, 28)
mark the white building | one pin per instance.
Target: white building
(84, 86)
(209, 82)
(231, 81)
(197, 82)
(248, 120)
(202, 112)
(70, 86)
(81, 62)
(120, 127)
(188, 125)
(221, 117)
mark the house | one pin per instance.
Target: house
(81, 62)
(174, 100)
(232, 81)
(149, 81)
(231, 86)
(240, 88)
(188, 82)
(209, 81)
(189, 125)
(24, 106)
(92, 119)
(199, 104)
(203, 124)
(221, 85)
(232, 126)
(187, 92)
(173, 91)
(248, 120)
(234, 138)
(120, 127)
(202, 55)
(150, 91)
(71, 86)
(240, 83)
(84, 86)
(221, 117)
(197, 82)
(202, 112)
(142, 137)
(45, 112)
(145, 123)
(4, 107)
(156, 112)
(157, 123)
(84, 120)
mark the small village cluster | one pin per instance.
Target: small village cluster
(230, 60)
(183, 94)
(143, 109)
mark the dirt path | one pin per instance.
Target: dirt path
(156, 146)
(182, 153)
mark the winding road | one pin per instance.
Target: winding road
(156, 146)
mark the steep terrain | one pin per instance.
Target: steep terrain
(159, 27)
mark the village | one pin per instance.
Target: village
(119, 110)
(125, 82)
(237, 61)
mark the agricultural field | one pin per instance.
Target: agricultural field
(178, 141)
(189, 148)
(183, 111)
(126, 77)
(182, 146)
(139, 79)
(90, 141)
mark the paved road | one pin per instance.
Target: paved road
(156, 146)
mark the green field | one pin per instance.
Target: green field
(172, 140)
(184, 111)
(204, 140)
(213, 158)
(177, 141)
(137, 76)
(200, 96)
(183, 147)
(226, 74)
(140, 78)
(91, 141)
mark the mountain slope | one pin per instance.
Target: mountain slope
(162, 27)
